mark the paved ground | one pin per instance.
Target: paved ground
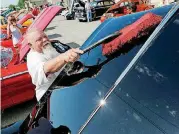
(71, 32)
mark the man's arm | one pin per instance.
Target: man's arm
(57, 63)
(54, 65)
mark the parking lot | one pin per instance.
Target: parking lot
(71, 32)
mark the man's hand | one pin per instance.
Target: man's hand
(72, 55)
(57, 63)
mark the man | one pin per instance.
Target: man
(88, 11)
(44, 62)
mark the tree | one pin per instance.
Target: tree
(11, 6)
(21, 3)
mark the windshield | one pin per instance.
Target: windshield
(147, 99)
(82, 96)
(85, 94)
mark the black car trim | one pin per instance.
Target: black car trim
(144, 48)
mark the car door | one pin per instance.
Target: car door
(20, 85)
(16, 80)
(6, 99)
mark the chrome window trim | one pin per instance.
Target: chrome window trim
(13, 75)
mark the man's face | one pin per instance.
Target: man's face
(39, 41)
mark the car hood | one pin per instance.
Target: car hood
(25, 18)
(40, 22)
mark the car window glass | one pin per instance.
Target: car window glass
(107, 3)
(111, 3)
(95, 57)
(89, 92)
(100, 4)
(83, 97)
(147, 99)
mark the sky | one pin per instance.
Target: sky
(6, 3)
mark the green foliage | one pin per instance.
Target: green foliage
(21, 3)
(12, 6)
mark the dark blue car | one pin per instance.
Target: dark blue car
(134, 93)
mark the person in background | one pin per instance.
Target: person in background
(14, 29)
(41, 7)
(35, 11)
(16, 14)
(88, 11)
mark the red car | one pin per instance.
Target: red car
(124, 7)
(16, 85)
